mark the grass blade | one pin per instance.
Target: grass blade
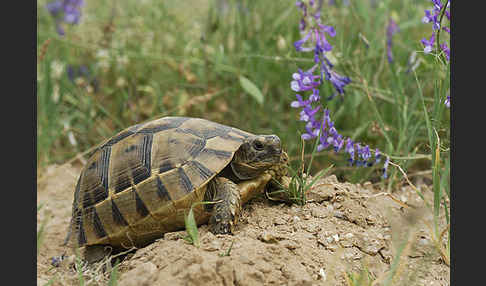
(191, 224)
(191, 228)
(79, 267)
(251, 89)
(114, 276)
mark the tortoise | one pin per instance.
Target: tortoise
(139, 184)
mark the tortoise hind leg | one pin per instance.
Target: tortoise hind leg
(227, 206)
(95, 253)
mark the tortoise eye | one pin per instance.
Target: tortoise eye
(258, 145)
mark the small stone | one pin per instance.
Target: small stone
(175, 235)
(265, 268)
(322, 273)
(403, 198)
(319, 212)
(339, 214)
(268, 237)
(290, 244)
(336, 237)
(245, 260)
(312, 227)
(212, 246)
(279, 221)
(348, 235)
(330, 208)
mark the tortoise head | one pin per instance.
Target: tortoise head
(256, 155)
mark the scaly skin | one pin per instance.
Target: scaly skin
(227, 207)
(251, 188)
(230, 196)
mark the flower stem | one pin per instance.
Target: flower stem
(442, 12)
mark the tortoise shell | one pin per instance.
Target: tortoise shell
(137, 185)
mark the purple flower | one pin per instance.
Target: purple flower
(323, 142)
(339, 82)
(299, 102)
(67, 11)
(434, 16)
(385, 167)
(446, 50)
(314, 97)
(320, 37)
(350, 150)
(54, 7)
(390, 31)
(315, 39)
(429, 44)
(56, 260)
(447, 101)
(310, 132)
(298, 45)
(429, 18)
(307, 114)
(304, 81)
(74, 72)
(377, 156)
(366, 154)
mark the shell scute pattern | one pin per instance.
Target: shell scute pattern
(138, 180)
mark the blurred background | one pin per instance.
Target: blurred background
(118, 63)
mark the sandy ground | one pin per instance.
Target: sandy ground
(344, 229)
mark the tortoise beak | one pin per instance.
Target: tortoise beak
(274, 142)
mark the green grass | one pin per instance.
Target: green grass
(114, 275)
(234, 65)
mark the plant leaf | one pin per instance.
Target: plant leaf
(114, 275)
(191, 228)
(251, 89)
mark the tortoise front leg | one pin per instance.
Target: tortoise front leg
(227, 205)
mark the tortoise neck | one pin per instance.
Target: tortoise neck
(228, 173)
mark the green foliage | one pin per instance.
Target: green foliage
(191, 225)
(227, 252)
(191, 228)
(251, 89)
(300, 183)
(79, 264)
(114, 275)
(363, 278)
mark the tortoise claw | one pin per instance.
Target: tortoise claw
(222, 228)
(227, 205)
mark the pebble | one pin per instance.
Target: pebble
(336, 237)
(269, 237)
(322, 273)
(348, 235)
